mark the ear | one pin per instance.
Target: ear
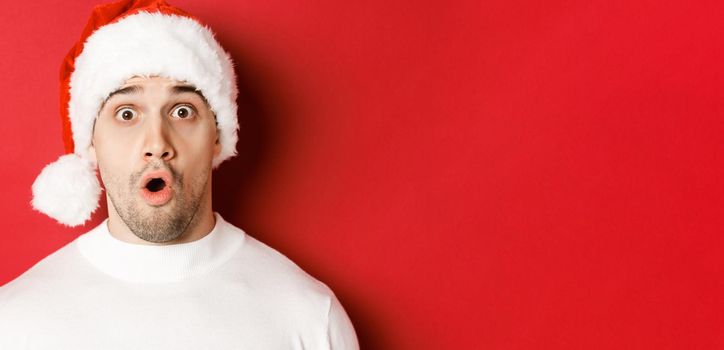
(217, 144)
(92, 149)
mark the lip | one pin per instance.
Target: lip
(161, 197)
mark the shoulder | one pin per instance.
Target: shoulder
(28, 295)
(263, 265)
(58, 275)
(274, 278)
(291, 296)
(44, 273)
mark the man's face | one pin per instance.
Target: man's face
(154, 141)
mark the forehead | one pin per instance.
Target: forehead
(153, 82)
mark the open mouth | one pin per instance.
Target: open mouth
(158, 188)
(156, 184)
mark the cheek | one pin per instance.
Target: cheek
(110, 142)
(110, 178)
(197, 142)
(113, 154)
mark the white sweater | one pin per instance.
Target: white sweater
(224, 291)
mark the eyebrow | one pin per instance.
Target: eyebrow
(137, 89)
(128, 90)
(180, 89)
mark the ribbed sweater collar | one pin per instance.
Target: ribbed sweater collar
(139, 263)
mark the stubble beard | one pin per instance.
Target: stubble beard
(157, 224)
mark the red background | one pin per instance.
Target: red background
(464, 175)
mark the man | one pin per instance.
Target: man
(148, 98)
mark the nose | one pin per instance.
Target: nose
(157, 143)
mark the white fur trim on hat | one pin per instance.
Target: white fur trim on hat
(67, 190)
(148, 44)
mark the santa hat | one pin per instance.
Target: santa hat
(124, 39)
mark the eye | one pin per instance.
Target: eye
(183, 112)
(126, 114)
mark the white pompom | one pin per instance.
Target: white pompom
(67, 190)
